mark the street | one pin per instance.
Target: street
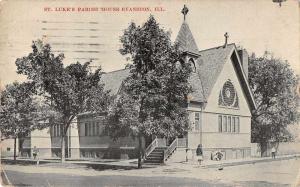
(276, 173)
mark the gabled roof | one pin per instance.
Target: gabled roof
(113, 80)
(208, 68)
(186, 40)
(210, 64)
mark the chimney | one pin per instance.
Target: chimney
(244, 60)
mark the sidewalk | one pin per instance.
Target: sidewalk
(4, 181)
(95, 164)
(234, 162)
(132, 164)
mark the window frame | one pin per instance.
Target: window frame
(220, 119)
(233, 124)
(197, 121)
(86, 132)
(224, 123)
(228, 123)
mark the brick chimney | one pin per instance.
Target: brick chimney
(244, 60)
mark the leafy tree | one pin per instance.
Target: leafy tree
(152, 100)
(273, 84)
(69, 90)
(18, 112)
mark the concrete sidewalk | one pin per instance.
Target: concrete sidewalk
(235, 162)
(132, 164)
(95, 164)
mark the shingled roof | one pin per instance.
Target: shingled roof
(113, 80)
(208, 68)
(186, 40)
(210, 64)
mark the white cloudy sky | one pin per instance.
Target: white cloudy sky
(257, 25)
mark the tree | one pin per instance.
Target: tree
(152, 100)
(273, 84)
(69, 90)
(18, 113)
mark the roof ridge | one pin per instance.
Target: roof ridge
(115, 71)
(216, 47)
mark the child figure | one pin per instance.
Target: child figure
(273, 150)
(199, 154)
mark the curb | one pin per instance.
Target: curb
(94, 165)
(5, 181)
(250, 162)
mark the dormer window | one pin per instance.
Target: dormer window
(228, 96)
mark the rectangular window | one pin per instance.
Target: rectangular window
(229, 124)
(197, 121)
(54, 130)
(238, 125)
(224, 127)
(233, 124)
(94, 129)
(90, 129)
(86, 129)
(97, 128)
(102, 127)
(58, 130)
(192, 121)
(220, 123)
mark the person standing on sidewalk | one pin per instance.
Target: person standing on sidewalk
(199, 154)
(273, 151)
(35, 153)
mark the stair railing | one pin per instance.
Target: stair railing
(151, 147)
(170, 149)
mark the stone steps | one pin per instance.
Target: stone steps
(156, 156)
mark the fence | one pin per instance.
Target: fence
(284, 148)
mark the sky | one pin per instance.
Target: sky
(257, 25)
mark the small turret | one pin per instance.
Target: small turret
(186, 41)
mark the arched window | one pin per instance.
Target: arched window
(228, 96)
(193, 65)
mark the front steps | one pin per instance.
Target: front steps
(156, 156)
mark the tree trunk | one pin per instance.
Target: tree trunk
(15, 148)
(63, 149)
(140, 156)
(263, 149)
